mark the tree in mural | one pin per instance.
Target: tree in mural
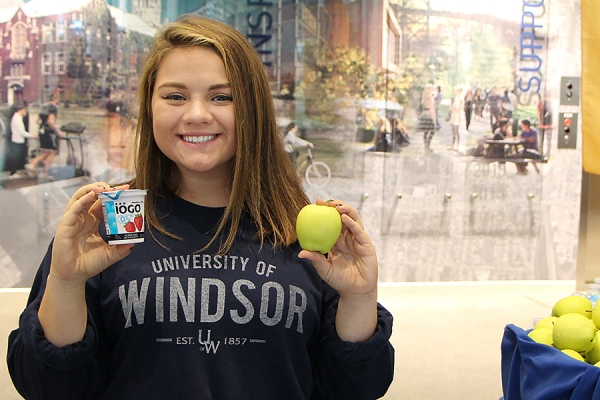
(83, 71)
(418, 70)
(113, 78)
(490, 60)
(336, 79)
(89, 63)
(333, 78)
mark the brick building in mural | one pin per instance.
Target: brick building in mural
(83, 50)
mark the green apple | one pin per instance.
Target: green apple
(574, 331)
(547, 322)
(318, 227)
(573, 304)
(596, 315)
(541, 335)
(593, 355)
(573, 354)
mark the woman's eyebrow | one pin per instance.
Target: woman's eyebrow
(173, 85)
(179, 85)
(219, 86)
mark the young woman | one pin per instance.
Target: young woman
(456, 108)
(427, 117)
(219, 301)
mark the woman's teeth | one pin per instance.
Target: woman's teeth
(198, 139)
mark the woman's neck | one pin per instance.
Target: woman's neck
(208, 191)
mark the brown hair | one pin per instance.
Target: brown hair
(264, 183)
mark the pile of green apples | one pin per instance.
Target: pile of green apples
(572, 328)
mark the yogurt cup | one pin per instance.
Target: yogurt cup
(123, 215)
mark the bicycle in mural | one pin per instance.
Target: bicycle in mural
(316, 173)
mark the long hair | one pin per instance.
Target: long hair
(263, 183)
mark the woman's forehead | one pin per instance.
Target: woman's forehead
(194, 64)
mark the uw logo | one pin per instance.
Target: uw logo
(209, 345)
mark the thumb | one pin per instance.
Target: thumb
(319, 261)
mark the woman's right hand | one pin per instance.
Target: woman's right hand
(79, 252)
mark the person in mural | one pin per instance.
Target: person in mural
(219, 301)
(514, 100)
(427, 117)
(468, 107)
(497, 150)
(26, 116)
(506, 108)
(437, 98)
(479, 100)
(400, 133)
(505, 97)
(530, 146)
(456, 109)
(382, 138)
(18, 150)
(544, 112)
(49, 135)
(493, 102)
(291, 141)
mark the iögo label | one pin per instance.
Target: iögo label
(123, 215)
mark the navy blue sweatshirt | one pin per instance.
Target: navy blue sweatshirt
(173, 322)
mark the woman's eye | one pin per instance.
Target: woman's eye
(222, 97)
(173, 97)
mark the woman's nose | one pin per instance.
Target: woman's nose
(197, 112)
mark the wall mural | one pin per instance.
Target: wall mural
(438, 120)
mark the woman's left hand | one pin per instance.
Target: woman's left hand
(351, 266)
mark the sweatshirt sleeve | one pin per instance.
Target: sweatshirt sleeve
(353, 371)
(41, 370)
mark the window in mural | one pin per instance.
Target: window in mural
(60, 31)
(436, 118)
(60, 63)
(20, 41)
(48, 32)
(46, 63)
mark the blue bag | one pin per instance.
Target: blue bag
(534, 371)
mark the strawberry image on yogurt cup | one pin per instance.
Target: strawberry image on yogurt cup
(123, 215)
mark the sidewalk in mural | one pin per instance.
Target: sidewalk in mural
(432, 217)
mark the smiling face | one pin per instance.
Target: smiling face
(193, 114)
